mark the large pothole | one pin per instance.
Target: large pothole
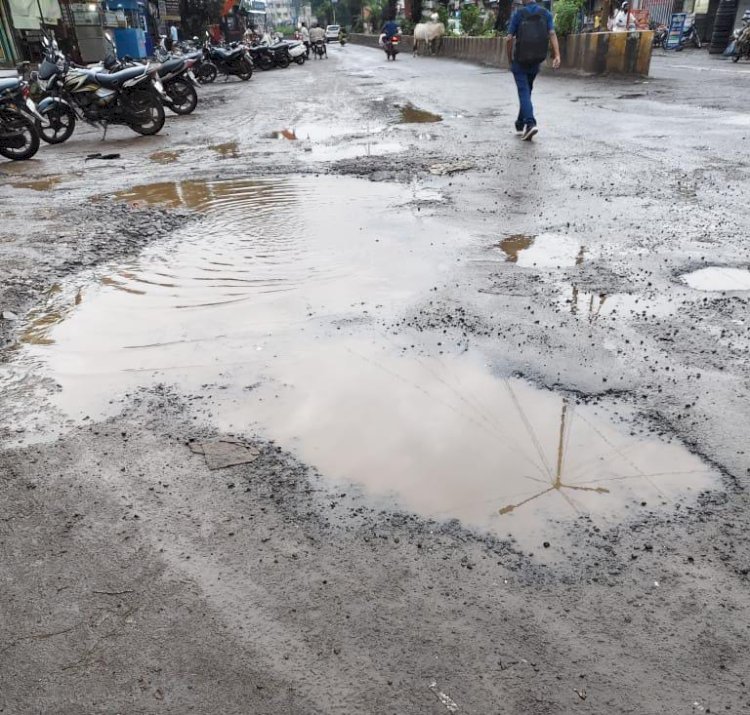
(267, 310)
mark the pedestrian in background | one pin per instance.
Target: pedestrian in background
(624, 20)
(530, 33)
(305, 33)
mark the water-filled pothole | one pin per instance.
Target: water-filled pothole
(413, 115)
(547, 250)
(165, 156)
(282, 284)
(43, 184)
(227, 150)
(718, 278)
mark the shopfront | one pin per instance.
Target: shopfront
(8, 52)
(25, 24)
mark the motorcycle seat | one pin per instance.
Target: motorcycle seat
(171, 66)
(117, 78)
(228, 54)
(9, 83)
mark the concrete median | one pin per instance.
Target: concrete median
(592, 53)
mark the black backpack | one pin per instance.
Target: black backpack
(532, 38)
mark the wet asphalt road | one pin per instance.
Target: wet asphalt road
(136, 580)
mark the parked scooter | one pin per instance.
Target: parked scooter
(19, 136)
(296, 50)
(130, 96)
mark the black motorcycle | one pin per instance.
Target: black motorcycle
(319, 49)
(176, 77)
(130, 96)
(229, 61)
(16, 94)
(19, 136)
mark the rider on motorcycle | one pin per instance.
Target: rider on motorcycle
(390, 29)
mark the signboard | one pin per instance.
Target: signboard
(676, 26)
(641, 19)
(173, 10)
(700, 7)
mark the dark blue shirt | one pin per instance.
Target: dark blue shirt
(515, 21)
(390, 29)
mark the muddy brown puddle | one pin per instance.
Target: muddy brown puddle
(413, 115)
(270, 308)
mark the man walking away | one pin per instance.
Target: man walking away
(530, 33)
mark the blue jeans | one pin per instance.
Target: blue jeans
(525, 76)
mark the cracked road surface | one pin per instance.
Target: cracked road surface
(486, 431)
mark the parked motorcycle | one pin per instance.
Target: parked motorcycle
(176, 77)
(391, 46)
(232, 61)
(16, 94)
(741, 39)
(661, 34)
(130, 96)
(19, 136)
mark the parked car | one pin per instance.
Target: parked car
(332, 33)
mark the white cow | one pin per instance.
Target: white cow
(431, 33)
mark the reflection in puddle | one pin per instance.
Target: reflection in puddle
(284, 134)
(325, 132)
(556, 482)
(593, 305)
(411, 115)
(324, 152)
(547, 250)
(244, 298)
(227, 150)
(203, 196)
(718, 278)
(56, 308)
(43, 184)
(165, 157)
(512, 245)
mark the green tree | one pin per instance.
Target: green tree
(471, 21)
(566, 15)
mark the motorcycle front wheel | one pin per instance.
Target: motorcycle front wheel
(19, 129)
(60, 122)
(244, 70)
(147, 112)
(182, 94)
(300, 60)
(283, 62)
(206, 73)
